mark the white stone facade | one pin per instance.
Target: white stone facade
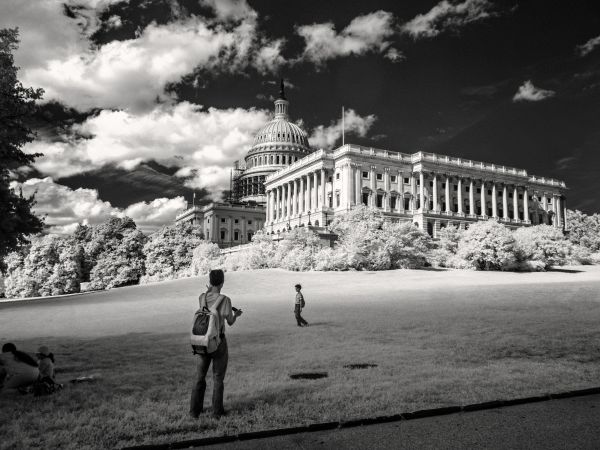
(432, 191)
(225, 224)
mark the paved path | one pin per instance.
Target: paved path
(572, 423)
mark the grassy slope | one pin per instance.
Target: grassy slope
(438, 338)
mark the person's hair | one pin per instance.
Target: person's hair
(216, 277)
(20, 356)
(298, 286)
(9, 347)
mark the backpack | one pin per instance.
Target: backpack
(302, 302)
(206, 329)
(44, 386)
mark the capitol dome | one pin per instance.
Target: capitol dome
(276, 145)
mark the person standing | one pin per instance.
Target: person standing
(220, 356)
(299, 304)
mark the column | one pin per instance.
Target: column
(288, 199)
(244, 236)
(459, 195)
(295, 200)
(269, 207)
(230, 229)
(422, 205)
(435, 193)
(505, 202)
(349, 187)
(525, 204)
(373, 201)
(386, 188)
(564, 205)
(545, 202)
(276, 205)
(323, 190)
(494, 201)
(483, 202)
(447, 194)
(214, 234)
(471, 198)
(301, 197)
(555, 210)
(315, 197)
(357, 185)
(515, 203)
(413, 191)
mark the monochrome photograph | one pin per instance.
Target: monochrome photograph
(260, 224)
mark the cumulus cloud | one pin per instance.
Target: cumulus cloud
(326, 136)
(65, 208)
(204, 143)
(529, 93)
(447, 16)
(590, 45)
(57, 55)
(368, 33)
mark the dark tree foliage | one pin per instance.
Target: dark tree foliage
(17, 103)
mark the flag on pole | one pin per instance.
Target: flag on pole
(194, 199)
(343, 126)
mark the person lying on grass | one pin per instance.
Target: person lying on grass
(18, 370)
(220, 356)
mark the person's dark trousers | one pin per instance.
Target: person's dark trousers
(219, 360)
(299, 318)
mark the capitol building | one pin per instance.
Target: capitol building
(282, 183)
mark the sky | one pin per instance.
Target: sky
(148, 101)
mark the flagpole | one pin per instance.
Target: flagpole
(343, 126)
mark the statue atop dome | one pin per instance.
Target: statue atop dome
(282, 91)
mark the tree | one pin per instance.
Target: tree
(169, 251)
(50, 266)
(17, 103)
(541, 243)
(488, 246)
(122, 264)
(584, 230)
(207, 256)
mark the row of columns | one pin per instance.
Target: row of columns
(302, 195)
(555, 200)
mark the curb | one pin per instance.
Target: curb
(367, 421)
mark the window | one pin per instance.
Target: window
(337, 199)
(431, 184)
(520, 196)
(406, 203)
(365, 198)
(379, 176)
(236, 221)
(406, 180)
(222, 235)
(249, 222)
(489, 192)
(393, 203)
(379, 200)
(455, 187)
(250, 236)
(337, 176)
(365, 174)
(236, 235)
(330, 179)
(331, 201)
(510, 196)
(222, 220)
(393, 178)
(467, 188)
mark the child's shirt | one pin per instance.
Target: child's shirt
(46, 367)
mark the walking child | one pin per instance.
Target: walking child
(298, 307)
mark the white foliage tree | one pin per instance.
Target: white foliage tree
(488, 246)
(541, 244)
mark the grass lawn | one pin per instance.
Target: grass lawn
(437, 337)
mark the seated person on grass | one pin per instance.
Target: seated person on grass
(20, 370)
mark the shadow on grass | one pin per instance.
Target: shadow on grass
(560, 270)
